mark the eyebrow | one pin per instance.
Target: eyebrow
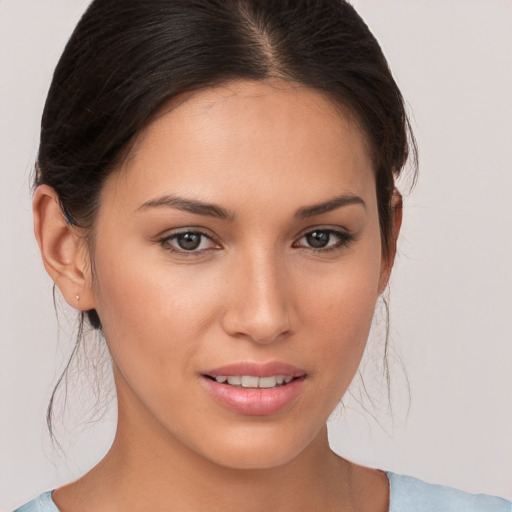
(218, 212)
(189, 205)
(327, 206)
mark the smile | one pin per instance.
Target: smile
(253, 382)
(254, 396)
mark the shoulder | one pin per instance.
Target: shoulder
(42, 503)
(408, 493)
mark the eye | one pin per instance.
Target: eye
(189, 242)
(324, 239)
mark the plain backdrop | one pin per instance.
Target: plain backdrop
(451, 292)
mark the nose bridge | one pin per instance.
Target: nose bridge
(260, 305)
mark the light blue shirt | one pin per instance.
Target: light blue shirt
(406, 494)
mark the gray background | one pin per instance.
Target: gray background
(451, 289)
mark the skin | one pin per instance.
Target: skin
(255, 290)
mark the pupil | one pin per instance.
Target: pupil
(318, 239)
(189, 241)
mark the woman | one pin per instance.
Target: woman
(216, 192)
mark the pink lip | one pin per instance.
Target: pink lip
(257, 369)
(252, 401)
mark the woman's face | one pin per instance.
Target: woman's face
(239, 239)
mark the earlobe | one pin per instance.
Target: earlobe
(62, 249)
(396, 224)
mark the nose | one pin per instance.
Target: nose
(260, 300)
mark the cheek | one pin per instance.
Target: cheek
(152, 315)
(340, 307)
(345, 323)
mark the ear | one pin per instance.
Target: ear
(389, 258)
(64, 252)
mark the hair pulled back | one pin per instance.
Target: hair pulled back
(126, 58)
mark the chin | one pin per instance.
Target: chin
(252, 449)
(253, 458)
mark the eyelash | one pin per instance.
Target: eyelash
(344, 239)
(164, 242)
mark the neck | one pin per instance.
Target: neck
(159, 474)
(149, 470)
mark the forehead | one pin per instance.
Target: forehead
(242, 135)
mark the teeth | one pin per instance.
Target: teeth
(249, 381)
(267, 382)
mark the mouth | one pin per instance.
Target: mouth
(252, 381)
(254, 389)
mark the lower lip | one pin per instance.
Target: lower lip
(254, 401)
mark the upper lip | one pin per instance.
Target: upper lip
(257, 369)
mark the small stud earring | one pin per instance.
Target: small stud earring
(77, 298)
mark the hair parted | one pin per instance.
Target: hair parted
(126, 58)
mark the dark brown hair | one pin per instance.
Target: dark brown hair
(126, 58)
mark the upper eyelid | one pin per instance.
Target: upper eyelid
(335, 232)
(166, 238)
(170, 234)
(331, 229)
